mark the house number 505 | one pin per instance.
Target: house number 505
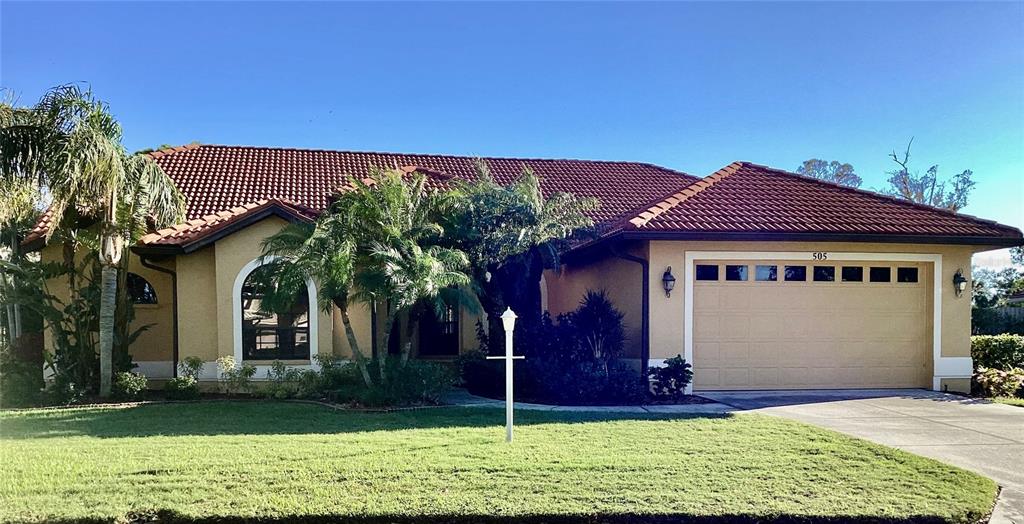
(819, 255)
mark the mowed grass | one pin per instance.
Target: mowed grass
(1010, 401)
(232, 461)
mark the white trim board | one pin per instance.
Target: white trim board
(236, 315)
(944, 367)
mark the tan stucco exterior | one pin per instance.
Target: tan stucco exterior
(667, 322)
(207, 278)
(620, 278)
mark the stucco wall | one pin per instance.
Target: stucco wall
(206, 283)
(197, 305)
(621, 278)
(152, 350)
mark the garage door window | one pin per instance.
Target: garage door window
(736, 273)
(906, 274)
(766, 273)
(853, 274)
(796, 273)
(824, 274)
(707, 272)
(881, 274)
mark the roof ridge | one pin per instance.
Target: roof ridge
(218, 219)
(665, 203)
(160, 153)
(875, 194)
(366, 152)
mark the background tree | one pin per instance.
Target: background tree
(20, 205)
(926, 188)
(830, 171)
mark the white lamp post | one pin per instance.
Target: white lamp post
(508, 321)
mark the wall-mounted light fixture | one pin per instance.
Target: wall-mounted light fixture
(668, 281)
(959, 282)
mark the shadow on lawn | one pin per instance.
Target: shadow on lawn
(173, 517)
(270, 418)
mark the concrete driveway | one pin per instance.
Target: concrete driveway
(974, 434)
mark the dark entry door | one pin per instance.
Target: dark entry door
(439, 333)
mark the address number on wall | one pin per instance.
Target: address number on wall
(819, 255)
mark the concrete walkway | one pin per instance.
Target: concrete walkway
(974, 434)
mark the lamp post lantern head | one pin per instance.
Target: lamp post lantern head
(508, 319)
(959, 282)
(668, 281)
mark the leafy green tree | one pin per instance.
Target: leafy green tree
(926, 188)
(511, 234)
(72, 149)
(835, 172)
(992, 287)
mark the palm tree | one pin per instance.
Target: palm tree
(377, 243)
(400, 260)
(512, 233)
(72, 148)
(323, 251)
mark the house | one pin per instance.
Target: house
(761, 278)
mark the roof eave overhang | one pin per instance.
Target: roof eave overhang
(633, 235)
(233, 227)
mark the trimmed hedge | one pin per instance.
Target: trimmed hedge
(998, 351)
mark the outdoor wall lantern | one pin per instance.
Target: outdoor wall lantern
(668, 281)
(959, 282)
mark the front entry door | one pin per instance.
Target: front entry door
(439, 333)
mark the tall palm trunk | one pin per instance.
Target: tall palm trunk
(382, 354)
(354, 345)
(108, 302)
(110, 257)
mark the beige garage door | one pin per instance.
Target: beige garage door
(790, 325)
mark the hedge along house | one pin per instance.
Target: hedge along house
(761, 278)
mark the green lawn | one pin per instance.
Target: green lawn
(1012, 401)
(228, 461)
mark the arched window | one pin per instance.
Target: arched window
(140, 291)
(272, 332)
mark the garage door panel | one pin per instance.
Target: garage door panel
(735, 376)
(734, 296)
(766, 335)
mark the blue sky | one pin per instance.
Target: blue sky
(692, 86)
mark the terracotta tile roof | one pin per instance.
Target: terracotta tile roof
(186, 235)
(749, 198)
(214, 178)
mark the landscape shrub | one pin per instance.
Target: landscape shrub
(190, 367)
(129, 385)
(669, 381)
(479, 375)
(998, 351)
(417, 382)
(183, 387)
(21, 382)
(998, 382)
(572, 359)
(234, 378)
